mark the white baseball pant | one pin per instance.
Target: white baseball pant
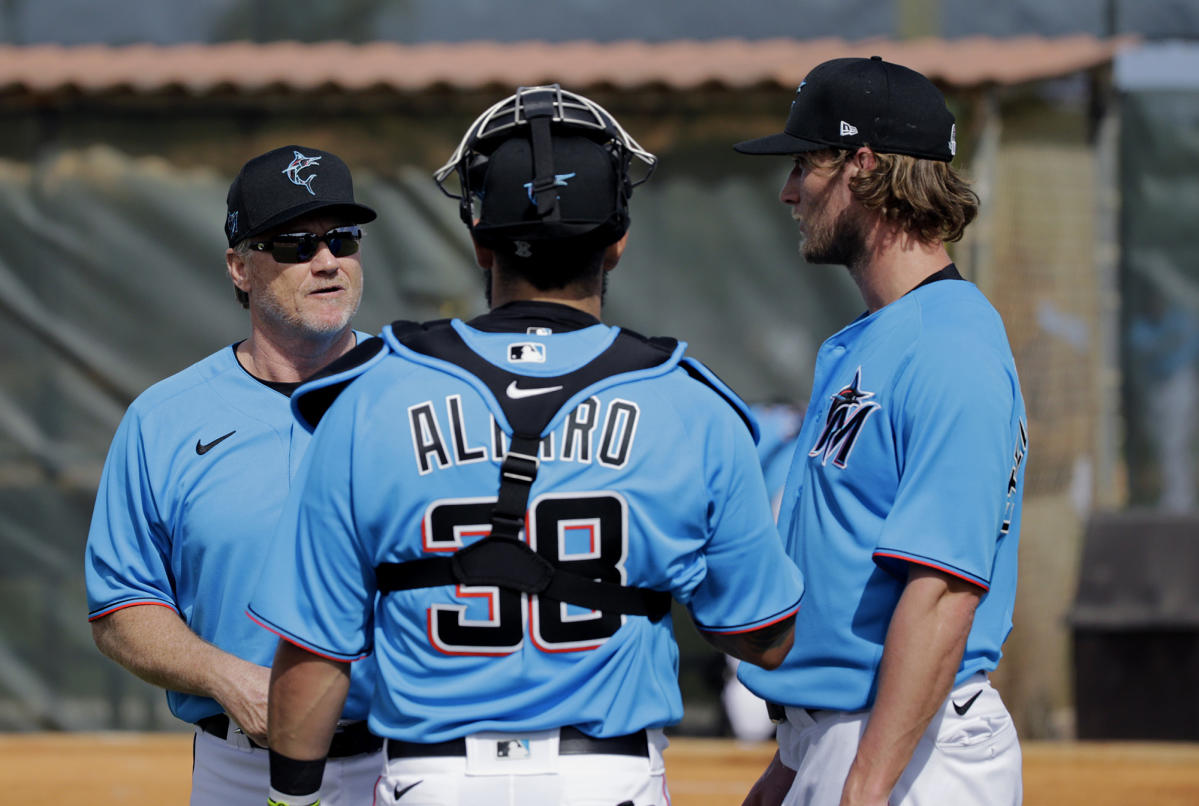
(501, 769)
(968, 756)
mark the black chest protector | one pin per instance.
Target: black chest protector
(502, 559)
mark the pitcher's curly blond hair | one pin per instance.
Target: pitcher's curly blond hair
(927, 198)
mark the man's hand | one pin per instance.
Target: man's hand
(772, 787)
(154, 643)
(243, 695)
(921, 655)
(852, 799)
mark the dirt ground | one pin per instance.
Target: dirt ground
(153, 770)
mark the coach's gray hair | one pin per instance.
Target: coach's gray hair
(242, 250)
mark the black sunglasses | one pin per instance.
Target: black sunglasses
(301, 247)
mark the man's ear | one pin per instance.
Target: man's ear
(863, 159)
(238, 271)
(483, 256)
(613, 252)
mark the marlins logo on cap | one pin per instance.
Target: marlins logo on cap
(298, 164)
(542, 168)
(282, 185)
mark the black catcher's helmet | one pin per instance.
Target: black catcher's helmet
(545, 165)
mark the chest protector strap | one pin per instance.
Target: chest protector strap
(502, 559)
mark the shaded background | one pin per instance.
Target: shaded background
(112, 187)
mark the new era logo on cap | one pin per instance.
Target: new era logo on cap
(286, 183)
(893, 109)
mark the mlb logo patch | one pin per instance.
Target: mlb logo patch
(526, 352)
(512, 748)
(538, 331)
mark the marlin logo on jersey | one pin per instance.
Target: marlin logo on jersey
(850, 409)
(299, 163)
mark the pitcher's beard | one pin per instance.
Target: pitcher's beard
(842, 244)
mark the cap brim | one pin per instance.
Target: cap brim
(353, 212)
(781, 143)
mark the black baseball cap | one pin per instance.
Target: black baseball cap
(286, 183)
(588, 183)
(852, 102)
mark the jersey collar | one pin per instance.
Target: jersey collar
(519, 316)
(950, 272)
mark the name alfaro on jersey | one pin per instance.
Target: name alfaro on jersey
(593, 432)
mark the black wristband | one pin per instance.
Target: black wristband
(293, 777)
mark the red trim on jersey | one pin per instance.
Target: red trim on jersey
(172, 608)
(304, 647)
(492, 597)
(783, 617)
(977, 583)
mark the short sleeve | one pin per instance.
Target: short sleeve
(127, 558)
(749, 582)
(953, 445)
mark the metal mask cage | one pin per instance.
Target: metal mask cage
(570, 109)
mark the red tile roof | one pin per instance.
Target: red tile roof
(246, 68)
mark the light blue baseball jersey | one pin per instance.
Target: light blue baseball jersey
(650, 478)
(192, 490)
(912, 451)
(778, 426)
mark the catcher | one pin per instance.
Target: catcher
(500, 511)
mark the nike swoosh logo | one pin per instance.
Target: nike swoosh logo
(516, 393)
(964, 707)
(399, 793)
(202, 449)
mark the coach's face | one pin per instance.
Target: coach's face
(317, 297)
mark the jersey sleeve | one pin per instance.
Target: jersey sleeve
(127, 557)
(317, 585)
(749, 582)
(953, 444)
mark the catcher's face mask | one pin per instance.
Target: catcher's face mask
(545, 164)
